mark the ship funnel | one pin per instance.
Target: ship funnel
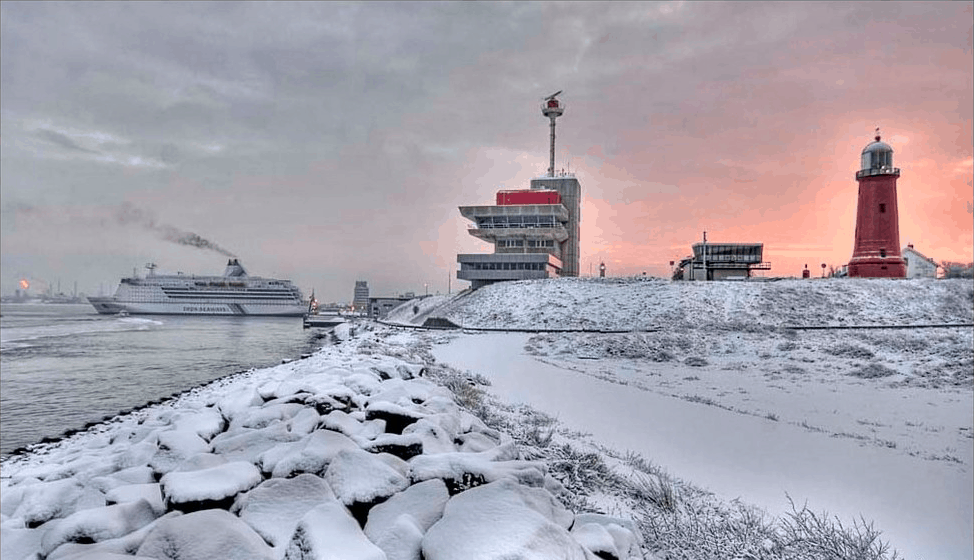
(234, 269)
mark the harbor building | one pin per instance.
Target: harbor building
(379, 307)
(876, 252)
(534, 231)
(722, 261)
(360, 298)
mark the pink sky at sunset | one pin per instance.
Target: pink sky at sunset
(329, 143)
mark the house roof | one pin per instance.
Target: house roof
(919, 254)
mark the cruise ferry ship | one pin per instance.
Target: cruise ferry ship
(234, 293)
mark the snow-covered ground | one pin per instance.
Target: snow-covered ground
(820, 449)
(639, 304)
(372, 449)
(870, 422)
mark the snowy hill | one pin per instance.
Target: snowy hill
(638, 304)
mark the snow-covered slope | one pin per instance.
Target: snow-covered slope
(638, 304)
(348, 454)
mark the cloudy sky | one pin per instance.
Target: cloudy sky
(329, 142)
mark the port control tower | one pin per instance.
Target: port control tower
(534, 231)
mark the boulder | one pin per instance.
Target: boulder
(204, 535)
(274, 508)
(502, 519)
(207, 488)
(327, 532)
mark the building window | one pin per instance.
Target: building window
(882, 253)
(882, 208)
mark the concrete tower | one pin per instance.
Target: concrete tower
(876, 253)
(360, 298)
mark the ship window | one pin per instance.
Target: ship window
(882, 208)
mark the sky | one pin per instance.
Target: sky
(332, 142)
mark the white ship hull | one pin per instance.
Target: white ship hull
(233, 294)
(111, 306)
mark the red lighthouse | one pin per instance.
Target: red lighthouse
(877, 250)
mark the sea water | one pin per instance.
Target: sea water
(63, 365)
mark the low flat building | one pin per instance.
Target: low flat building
(379, 307)
(917, 264)
(722, 261)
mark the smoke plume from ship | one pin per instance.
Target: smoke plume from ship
(130, 215)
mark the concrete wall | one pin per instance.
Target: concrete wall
(571, 198)
(918, 266)
(544, 265)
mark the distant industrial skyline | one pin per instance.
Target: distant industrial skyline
(333, 142)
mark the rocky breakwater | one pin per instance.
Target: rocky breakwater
(341, 455)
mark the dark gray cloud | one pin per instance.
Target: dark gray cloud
(62, 140)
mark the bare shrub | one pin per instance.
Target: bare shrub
(803, 534)
(657, 489)
(579, 471)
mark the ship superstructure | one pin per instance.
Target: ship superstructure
(233, 293)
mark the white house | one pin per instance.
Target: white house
(918, 265)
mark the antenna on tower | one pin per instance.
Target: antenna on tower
(552, 108)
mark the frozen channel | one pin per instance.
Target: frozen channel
(924, 508)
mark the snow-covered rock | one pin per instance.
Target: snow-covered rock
(175, 446)
(313, 454)
(358, 477)
(607, 536)
(329, 531)
(204, 535)
(248, 444)
(99, 524)
(397, 525)
(191, 490)
(464, 470)
(151, 493)
(274, 508)
(125, 544)
(41, 502)
(502, 520)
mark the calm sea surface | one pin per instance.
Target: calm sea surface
(62, 366)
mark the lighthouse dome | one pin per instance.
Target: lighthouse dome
(877, 156)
